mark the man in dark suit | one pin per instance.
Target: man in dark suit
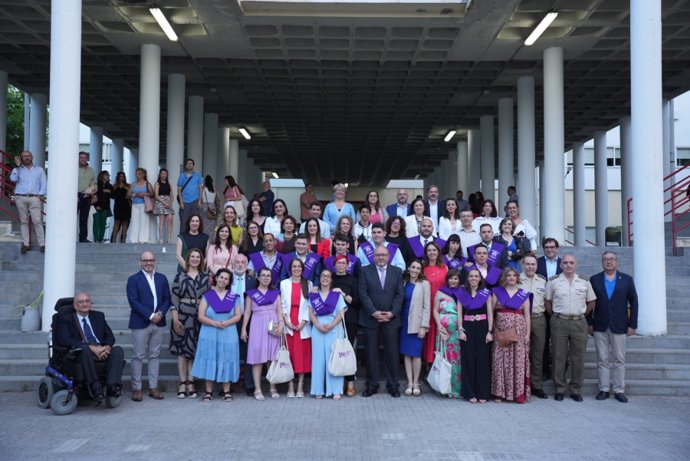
(549, 264)
(433, 207)
(381, 296)
(241, 283)
(88, 330)
(148, 294)
(401, 208)
(611, 322)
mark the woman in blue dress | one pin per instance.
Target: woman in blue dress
(415, 323)
(516, 246)
(326, 310)
(218, 351)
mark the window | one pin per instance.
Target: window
(682, 156)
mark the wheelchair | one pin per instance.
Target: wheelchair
(64, 380)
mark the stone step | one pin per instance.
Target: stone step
(679, 328)
(643, 371)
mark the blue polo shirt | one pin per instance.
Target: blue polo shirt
(191, 191)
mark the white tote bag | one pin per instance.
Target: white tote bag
(343, 361)
(281, 370)
(439, 375)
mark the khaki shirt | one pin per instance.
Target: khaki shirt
(86, 178)
(569, 298)
(537, 286)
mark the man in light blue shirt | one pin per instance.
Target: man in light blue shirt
(366, 250)
(189, 187)
(28, 196)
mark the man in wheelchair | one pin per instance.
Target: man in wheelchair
(82, 328)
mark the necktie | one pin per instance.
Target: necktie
(90, 338)
(425, 242)
(382, 276)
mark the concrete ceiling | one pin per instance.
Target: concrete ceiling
(363, 98)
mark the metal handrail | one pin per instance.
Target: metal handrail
(573, 232)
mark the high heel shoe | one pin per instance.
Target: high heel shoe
(191, 390)
(182, 390)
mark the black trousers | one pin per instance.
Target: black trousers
(391, 355)
(114, 364)
(352, 329)
(248, 376)
(83, 207)
(476, 365)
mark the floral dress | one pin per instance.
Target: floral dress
(449, 319)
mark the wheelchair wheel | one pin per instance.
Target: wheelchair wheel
(113, 402)
(44, 392)
(62, 404)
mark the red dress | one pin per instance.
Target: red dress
(300, 349)
(436, 276)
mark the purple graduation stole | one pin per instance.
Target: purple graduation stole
(263, 298)
(494, 253)
(454, 263)
(310, 263)
(369, 249)
(452, 292)
(324, 306)
(513, 302)
(418, 248)
(226, 305)
(492, 274)
(259, 263)
(469, 303)
(351, 262)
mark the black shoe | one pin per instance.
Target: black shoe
(24, 249)
(250, 392)
(602, 395)
(85, 241)
(620, 397)
(559, 396)
(368, 392)
(115, 391)
(394, 393)
(576, 397)
(539, 393)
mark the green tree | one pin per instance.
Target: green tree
(15, 120)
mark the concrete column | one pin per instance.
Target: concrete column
(37, 130)
(175, 135)
(473, 161)
(27, 119)
(149, 118)
(461, 169)
(505, 150)
(96, 149)
(601, 187)
(526, 149)
(669, 166)
(3, 109)
(233, 164)
(195, 131)
(452, 173)
(626, 174)
(488, 170)
(553, 191)
(116, 162)
(224, 150)
(61, 210)
(133, 164)
(647, 165)
(210, 145)
(579, 194)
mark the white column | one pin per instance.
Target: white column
(3, 109)
(648, 199)
(149, 118)
(95, 149)
(195, 131)
(116, 162)
(61, 211)
(505, 150)
(27, 119)
(667, 108)
(526, 149)
(37, 130)
(224, 149)
(210, 145)
(486, 127)
(579, 194)
(473, 161)
(133, 164)
(233, 165)
(626, 174)
(553, 191)
(601, 188)
(174, 140)
(461, 169)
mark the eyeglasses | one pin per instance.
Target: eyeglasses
(83, 301)
(609, 259)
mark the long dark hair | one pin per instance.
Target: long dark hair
(208, 183)
(481, 285)
(244, 246)
(318, 229)
(445, 213)
(274, 205)
(452, 238)
(167, 178)
(403, 226)
(232, 183)
(228, 242)
(250, 213)
(302, 281)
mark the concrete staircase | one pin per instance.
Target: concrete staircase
(655, 365)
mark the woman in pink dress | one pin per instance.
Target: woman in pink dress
(262, 306)
(510, 364)
(221, 253)
(378, 213)
(435, 272)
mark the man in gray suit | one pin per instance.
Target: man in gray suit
(381, 295)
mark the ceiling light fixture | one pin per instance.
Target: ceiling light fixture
(449, 136)
(543, 25)
(163, 23)
(275, 175)
(245, 133)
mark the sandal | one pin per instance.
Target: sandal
(290, 395)
(275, 395)
(299, 395)
(337, 396)
(208, 396)
(416, 391)
(259, 396)
(408, 391)
(351, 392)
(191, 390)
(227, 396)
(474, 400)
(182, 390)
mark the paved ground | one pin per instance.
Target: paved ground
(428, 427)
